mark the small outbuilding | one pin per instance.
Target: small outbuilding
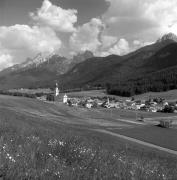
(65, 99)
(88, 105)
(166, 123)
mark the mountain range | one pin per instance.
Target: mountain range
(115, 69)
(39, 71)
(85, 70)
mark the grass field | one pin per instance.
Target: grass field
(169, 95)
(31, 91)
(51, 141)
(153, 134)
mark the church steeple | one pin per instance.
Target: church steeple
(56, 90)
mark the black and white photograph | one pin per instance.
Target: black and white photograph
(88, 89)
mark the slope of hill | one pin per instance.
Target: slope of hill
(95, 71)
(120, 69)
(82, 57)
(158, 73)
(52, 62)
(34, 73)
(39, 71)
(60, 142)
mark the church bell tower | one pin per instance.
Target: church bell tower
(56, 90)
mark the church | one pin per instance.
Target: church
(57, 96)
(56, 93)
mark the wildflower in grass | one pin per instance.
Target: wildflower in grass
(34, 139)
(57, 174)
(61, 143)
(52, 142)
(66, 157)
(84, 150)
(4, 147)
(55, 142)
(11, 158)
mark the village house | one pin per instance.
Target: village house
(139, 104)
(65, 99)
(42, 98)
(99, 102)
(152, 109)
(88, 105)
(73, 102)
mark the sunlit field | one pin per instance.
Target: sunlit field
(33, 146)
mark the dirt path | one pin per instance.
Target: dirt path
(161, 118)
(131, 121)
(138, 141)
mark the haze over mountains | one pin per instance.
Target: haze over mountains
(115, 69)
(86, 70)
(39, 71)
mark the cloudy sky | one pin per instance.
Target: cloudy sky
(67, 27)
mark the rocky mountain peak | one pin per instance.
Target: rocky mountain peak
(169, 36)
(36, 61)
(82, 56)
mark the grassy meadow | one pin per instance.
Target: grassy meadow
(46, 141)
(153, 134)
(168, 95)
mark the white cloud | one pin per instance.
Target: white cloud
(108, 41)
(145, 20)
(137, 19)
(87, 37)
(21, 41)
(125, 26)
(90, 36)
(18, 42)
(138, 44)
(5, 60)
(164, 14)
(55, 17)
(120, 48)
(32, 38)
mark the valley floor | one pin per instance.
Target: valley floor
(28, 126)
(168, 95)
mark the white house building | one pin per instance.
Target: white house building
(65, 99)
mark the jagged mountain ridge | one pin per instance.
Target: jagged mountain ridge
(35, 71)
(95, 70)
(151, 58)
(29, 63)
(53, 62)
(169, 36)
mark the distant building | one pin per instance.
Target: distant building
(56, 93)
(88, 105)
(57, 90)
(108, 100)
(42, 98)
(165, 103)
(65, 99)
(166, 123)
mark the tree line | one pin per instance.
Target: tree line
(154, 82)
